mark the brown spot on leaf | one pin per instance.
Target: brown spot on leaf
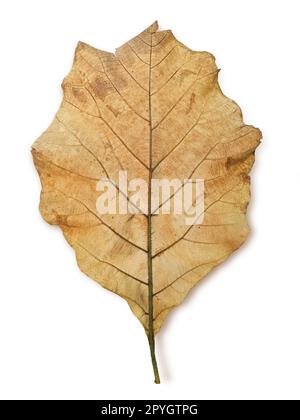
(113, 110)
(184, 74)
(192, 102)
(101, 88)
(79, 94)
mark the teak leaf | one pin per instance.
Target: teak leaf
(155, 110)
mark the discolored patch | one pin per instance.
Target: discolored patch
(79, 94)
(101, 88)
(192, 102)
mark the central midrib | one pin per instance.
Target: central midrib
(151, 337)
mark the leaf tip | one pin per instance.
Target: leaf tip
(152, 28)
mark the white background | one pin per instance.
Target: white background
(237, 335)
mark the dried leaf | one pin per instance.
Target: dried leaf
(155, 110)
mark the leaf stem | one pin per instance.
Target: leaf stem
(153, 358)
(151, 337)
